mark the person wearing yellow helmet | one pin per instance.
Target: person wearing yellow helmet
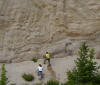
(47, 58)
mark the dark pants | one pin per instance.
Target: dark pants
(47, 59)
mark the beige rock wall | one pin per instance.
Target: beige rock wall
(28, 28)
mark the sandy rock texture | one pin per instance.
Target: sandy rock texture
(29, 28)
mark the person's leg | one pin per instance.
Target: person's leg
(49, 62)
(40, 75)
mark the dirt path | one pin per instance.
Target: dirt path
(52, 72)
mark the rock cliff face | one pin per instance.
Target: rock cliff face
(29, 28)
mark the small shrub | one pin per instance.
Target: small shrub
(28, 77)
(35, 59)
(52, 82)
(12, 84)
(4, 79)
(64, 83)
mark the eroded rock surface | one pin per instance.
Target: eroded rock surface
(28, 28)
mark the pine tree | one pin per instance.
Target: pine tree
(85, 69)
(85, 65)
(4, 79)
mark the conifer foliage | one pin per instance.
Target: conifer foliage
(3, 80)
(86, 68)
